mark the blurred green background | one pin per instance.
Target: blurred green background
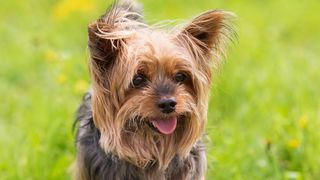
(264, 115)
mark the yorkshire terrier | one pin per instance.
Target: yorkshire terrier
(145, 115)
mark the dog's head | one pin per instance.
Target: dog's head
(150, 87)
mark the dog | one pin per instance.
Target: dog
(145, 115)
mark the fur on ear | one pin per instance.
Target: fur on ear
(108, 34)
(103, 51)
(209, 31)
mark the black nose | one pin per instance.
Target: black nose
(167, 105)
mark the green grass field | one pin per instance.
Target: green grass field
(264, 115)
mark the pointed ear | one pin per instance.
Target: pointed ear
(103, 51)
(208, 32)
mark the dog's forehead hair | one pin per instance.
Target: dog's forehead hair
(158, 52)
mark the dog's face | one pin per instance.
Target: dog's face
(158, 84)
(150, 87)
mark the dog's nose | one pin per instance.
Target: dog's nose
(167, 105)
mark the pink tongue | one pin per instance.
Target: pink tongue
(165, 126)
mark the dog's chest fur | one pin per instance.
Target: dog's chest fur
(94, 163)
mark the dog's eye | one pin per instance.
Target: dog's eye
(139, 81)
(180, 77)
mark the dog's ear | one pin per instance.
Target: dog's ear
(207, 32)
(103, 51)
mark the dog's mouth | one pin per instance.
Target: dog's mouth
(165, 125)
(162, 125)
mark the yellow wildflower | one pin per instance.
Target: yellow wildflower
(50, 56)
(81, 86)
(61, 79)
(293, 143)
(303, 122)
(65, 8)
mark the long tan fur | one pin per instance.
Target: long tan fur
(122, 46)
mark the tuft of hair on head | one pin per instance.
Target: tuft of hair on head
(119, 20)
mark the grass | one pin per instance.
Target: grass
(264, 114)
